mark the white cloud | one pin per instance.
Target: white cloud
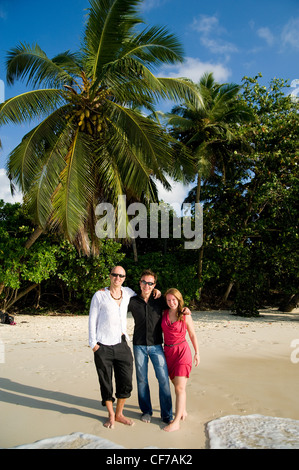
(206, 24)
(290, 33)
(295, 93)
(211, 33)
(176, 196)
(5, 192)
(266, 34)
(217, 46)
(148, 5)
(194, 69)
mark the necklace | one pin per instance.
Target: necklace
(116, 298)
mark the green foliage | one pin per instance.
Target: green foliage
(50, 261)
(246, 302)
(252, 217)
(40, 263)
(172, 269)
(14, 231)
(82, 276)
(250, 227)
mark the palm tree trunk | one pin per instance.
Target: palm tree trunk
(197, 198)
(134, 246)
(227, 292)
(223, 174)
(19, 296)
(34, 236)
(200, 265)
(289, 303)
(200, 255)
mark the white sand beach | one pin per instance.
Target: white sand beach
(49, 386)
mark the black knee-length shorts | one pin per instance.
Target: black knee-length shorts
(118, 359)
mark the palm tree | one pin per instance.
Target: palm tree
(92, 143)
(210, 129)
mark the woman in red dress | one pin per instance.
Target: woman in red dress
(177, 351)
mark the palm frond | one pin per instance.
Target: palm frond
(25, 160)
(76, 187)
(31, 62)
(181, 89)
(184, 164)
(110, 184)
(154, 46)
(144, 135)
(133, 84)
(38, 198)
(210, 131)
(181, 122)
(29, 105)
(70, 62)
(109, 25)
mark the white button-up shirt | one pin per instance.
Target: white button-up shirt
(107, 319)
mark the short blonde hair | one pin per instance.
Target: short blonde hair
(179, 297)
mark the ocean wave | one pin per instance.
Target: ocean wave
(253, 432)
(76, 440)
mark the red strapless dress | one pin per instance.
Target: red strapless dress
(176, 349)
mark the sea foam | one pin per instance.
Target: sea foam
(253, 432)
(76, 440)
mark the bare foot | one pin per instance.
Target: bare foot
(174, 426)
(184, 416)
(122, 419)
(109, 423)
(146, 418)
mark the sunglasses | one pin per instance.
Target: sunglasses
(116, 274)
(148, 283)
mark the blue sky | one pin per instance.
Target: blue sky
(231, 38)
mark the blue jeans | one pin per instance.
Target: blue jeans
(156, 355)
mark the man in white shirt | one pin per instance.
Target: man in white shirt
(108, 340)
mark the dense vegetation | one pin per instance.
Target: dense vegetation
(238, 143)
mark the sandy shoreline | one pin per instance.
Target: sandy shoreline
(49, 387)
